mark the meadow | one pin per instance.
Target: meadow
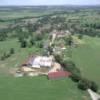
(87, 58)
(39, 88)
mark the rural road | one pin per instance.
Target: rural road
(94, 95)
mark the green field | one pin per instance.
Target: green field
(20, 14)
(87, 58)
(39, 88)
(20, 56)
(20, 23)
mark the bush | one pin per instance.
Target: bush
(59, 59)
(24, 44)
(71, 67)
(94, 86)
(5, 56)
(84, 84)
(40, 44)
(12, 51)
(32, 41)
(80, 36)
(76, 78)
(2, 58)
(38, 37)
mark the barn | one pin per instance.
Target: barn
(58, 75)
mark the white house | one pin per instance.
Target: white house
(42, 61)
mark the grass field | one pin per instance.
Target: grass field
(20, 14)
(20, 56)
(87, 58)
(39, 88)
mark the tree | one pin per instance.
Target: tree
(12, 51)
(3, 57)
(38, 37)
(40, 44)
(23, 43)
(94, 86)
(68, 40)
(84, 84)
(3, 36)
(32, 41)
(58, 58)
(76, 78)
(80, 36)
(50, 50)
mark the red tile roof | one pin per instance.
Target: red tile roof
(59, 74)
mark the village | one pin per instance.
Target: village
(49, 52)
(46, 65)
(37, 65)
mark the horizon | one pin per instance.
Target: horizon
(44, 5)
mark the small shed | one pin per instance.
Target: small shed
(58, 75)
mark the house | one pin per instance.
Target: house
(39, 62)
(43, 61)
(58, 75)
(60, 34)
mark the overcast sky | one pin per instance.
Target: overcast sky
(49, 2)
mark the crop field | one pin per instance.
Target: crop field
(19, 14)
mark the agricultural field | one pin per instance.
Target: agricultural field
(26, 31)
(39, 88)
(87, 58)
(21, 55)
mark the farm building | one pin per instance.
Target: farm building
(43, 61)
(58, 75)
(43, 65)
(39, 62)
(60, 34)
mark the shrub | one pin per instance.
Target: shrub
(75, 78)
(84, 84)
(24, 44)
(2, 58)
(94, 86)
(12, 51)
(40, 44)
(38, 37)
(70, 66)
(32, 41)
(80, 36)
(5, 56)
(58, 58)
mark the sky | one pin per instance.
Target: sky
(49, 2)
